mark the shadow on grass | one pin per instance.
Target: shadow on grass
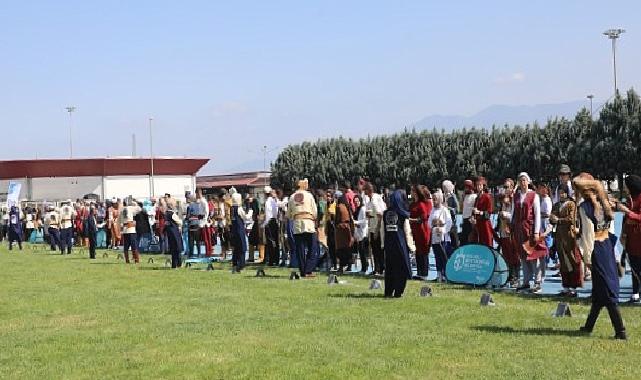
(356, 295)
(150, 268)
(538, 331)
(103, 263)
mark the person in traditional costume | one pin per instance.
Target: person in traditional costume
(440, 221)
(52, 222)
(508, 250)
(631, 237)
(272, 229)
(15, 228)
(469, 199)
(375, 209)
(129, 238)
(303, 212)
(90, 230)
(451, 201)
(420, 210)
(237, 232)
(563, 218)
(481, 213)
(526, 227)
(67, 216)
(361, 233)
(173, 231)
(344, 234)
(596, 221)
(330, 229)
(113, 221)
(565, 178)
(397, 242)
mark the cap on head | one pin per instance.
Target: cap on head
(565, 169)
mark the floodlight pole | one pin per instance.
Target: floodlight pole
(614, 34)
(590, 97)
(70, 109)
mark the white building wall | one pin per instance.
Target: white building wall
(61, 188)
(138, 186)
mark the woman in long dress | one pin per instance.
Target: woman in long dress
(564, 218)
(420, 211)
(597, 221)
(344, 233)
(397, 242)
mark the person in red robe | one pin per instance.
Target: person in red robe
(420, 210)
(483, 208)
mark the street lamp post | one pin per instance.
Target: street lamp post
(151, 155)
(70, 109)
(590, 97)
(614, 34)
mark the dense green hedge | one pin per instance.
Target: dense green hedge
(606, 147)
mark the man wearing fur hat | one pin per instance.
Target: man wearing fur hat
(302, 210)
(526, 224)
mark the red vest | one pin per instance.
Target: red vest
(523, 217)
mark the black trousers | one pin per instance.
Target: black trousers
(363, 253)
(305, 252)
(635, 264)
(54, 239)
(422, 264)
(66, 235)
(194, 237)
(92, 244)
(377, 253)
(272, 246)
(108, 237)
(615, 316)
(466, 230)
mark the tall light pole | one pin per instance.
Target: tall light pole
(590, 97)
(151, 155)
(265, 162)
(70, 109)
(614, 34)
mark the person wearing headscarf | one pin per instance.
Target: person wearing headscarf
(451, 202)
(526, 224)
(238, 235)
(173, 231)
(508, 250)
(15, 228)
(631, 237)
(344, 233)
(440, 221)
(481, 213)
(361, 233)
(397, 242)
(90, 229)
(563, 217)
(597, 223)
(469, 199)
(303, 212)
(420, 210)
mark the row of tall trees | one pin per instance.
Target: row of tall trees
(606, 147)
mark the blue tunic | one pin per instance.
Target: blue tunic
(397, 257)
(15, 225)
(605, 278)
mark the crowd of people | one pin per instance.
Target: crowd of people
(569, 229)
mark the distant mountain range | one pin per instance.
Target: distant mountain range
(500, 115)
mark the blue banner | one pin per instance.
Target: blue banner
(471, 264)
(13, 194)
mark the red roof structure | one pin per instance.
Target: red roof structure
(88, 167)
(251, 179)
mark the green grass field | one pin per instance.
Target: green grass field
(72, 318)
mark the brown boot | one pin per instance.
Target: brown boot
(127, 257)
(136, 257)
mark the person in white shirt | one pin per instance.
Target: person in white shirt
(361, 232)
(67, 215)
(440, 221)
(128, 223)
(270, 224)
(52, 223)
(526, 227)
(469, 199)
(374, 210)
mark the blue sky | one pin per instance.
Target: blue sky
(222, 79)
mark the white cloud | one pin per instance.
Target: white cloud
(512, 78)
